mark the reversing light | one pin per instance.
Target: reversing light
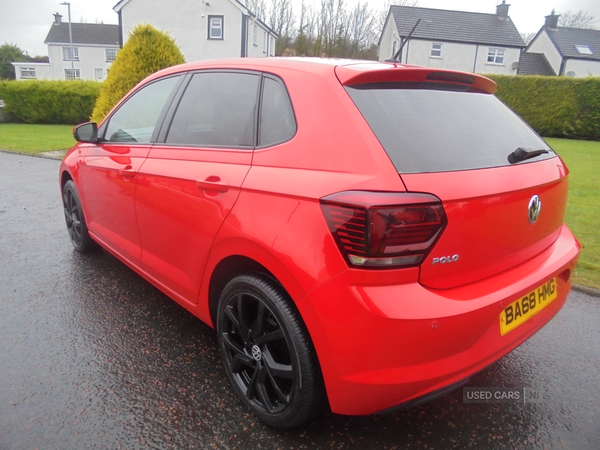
(384, 230)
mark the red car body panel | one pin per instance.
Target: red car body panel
(189, 192)
(108, 180)
(383, 337)
(476, 202)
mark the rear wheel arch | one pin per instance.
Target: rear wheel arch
(254, 308)
(225, 271)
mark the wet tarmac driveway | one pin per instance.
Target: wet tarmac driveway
(92, 356)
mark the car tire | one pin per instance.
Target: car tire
(76, 226)
(267, 353)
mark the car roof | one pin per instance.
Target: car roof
(348, 71)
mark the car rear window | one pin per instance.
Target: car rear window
(431, 127)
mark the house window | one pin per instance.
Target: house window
(265, 42)
(436, 50)
(99, 74)
(71, 74)
(70, 56)
(394, 48)
(255, 36)
(215, 27)
(584, 49)
(496, 56)
(272, 51)
(28, 72)
(111, 54)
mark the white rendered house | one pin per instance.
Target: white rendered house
(456, 40)
(94, 48)
(203, 29)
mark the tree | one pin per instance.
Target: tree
(281, 21)
(379, 22)
(580, 19)
(361, 31)
(10, 53)
(147, 51)
(257, 7)
(527, 37)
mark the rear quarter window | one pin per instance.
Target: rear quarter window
(425, 127)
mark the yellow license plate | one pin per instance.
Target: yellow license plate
(525, 308)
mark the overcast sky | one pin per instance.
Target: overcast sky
(26, 22)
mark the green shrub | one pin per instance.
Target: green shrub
(55, 102)
(554, 106)
(147, 51)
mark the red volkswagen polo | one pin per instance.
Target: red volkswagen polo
(362, 235)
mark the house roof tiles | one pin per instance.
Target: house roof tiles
(84, 33)
(566, 40)
(535, 64)
(457, 26)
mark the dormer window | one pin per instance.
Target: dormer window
(584, 49)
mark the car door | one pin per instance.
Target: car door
(191, 180)
(109, 169)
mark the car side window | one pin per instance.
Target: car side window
(136, 118)
(277, 121)
(217, 109)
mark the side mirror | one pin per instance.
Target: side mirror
(86, 132)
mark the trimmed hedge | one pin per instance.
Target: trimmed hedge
(147, 50)
(554, 106)
(55, 102)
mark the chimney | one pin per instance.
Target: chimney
(552, 21)
(502, 10)
(57, 19)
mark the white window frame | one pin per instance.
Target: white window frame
(28, 73)
(496, 56)
(111, 54)
(67, 54)
(436, 50)
(255, 35)
(72, 76)
(265, 42)
(216, 27)
(99, 74)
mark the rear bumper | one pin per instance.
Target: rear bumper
(384, 340)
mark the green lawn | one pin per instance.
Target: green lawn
(583, 207)
(582, 158)
(26, 138)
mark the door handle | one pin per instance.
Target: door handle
(213, 183)
(127, 171)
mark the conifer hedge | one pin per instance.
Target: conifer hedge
(44, 101)
(554, 106)
(147, 50)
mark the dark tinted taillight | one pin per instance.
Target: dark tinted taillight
(379, 229)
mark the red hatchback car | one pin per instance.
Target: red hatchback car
(362, 235)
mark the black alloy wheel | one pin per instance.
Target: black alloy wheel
(78, 232)
(267, 353)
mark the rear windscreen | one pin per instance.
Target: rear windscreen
(428, 128)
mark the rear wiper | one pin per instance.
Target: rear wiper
(523, 153)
